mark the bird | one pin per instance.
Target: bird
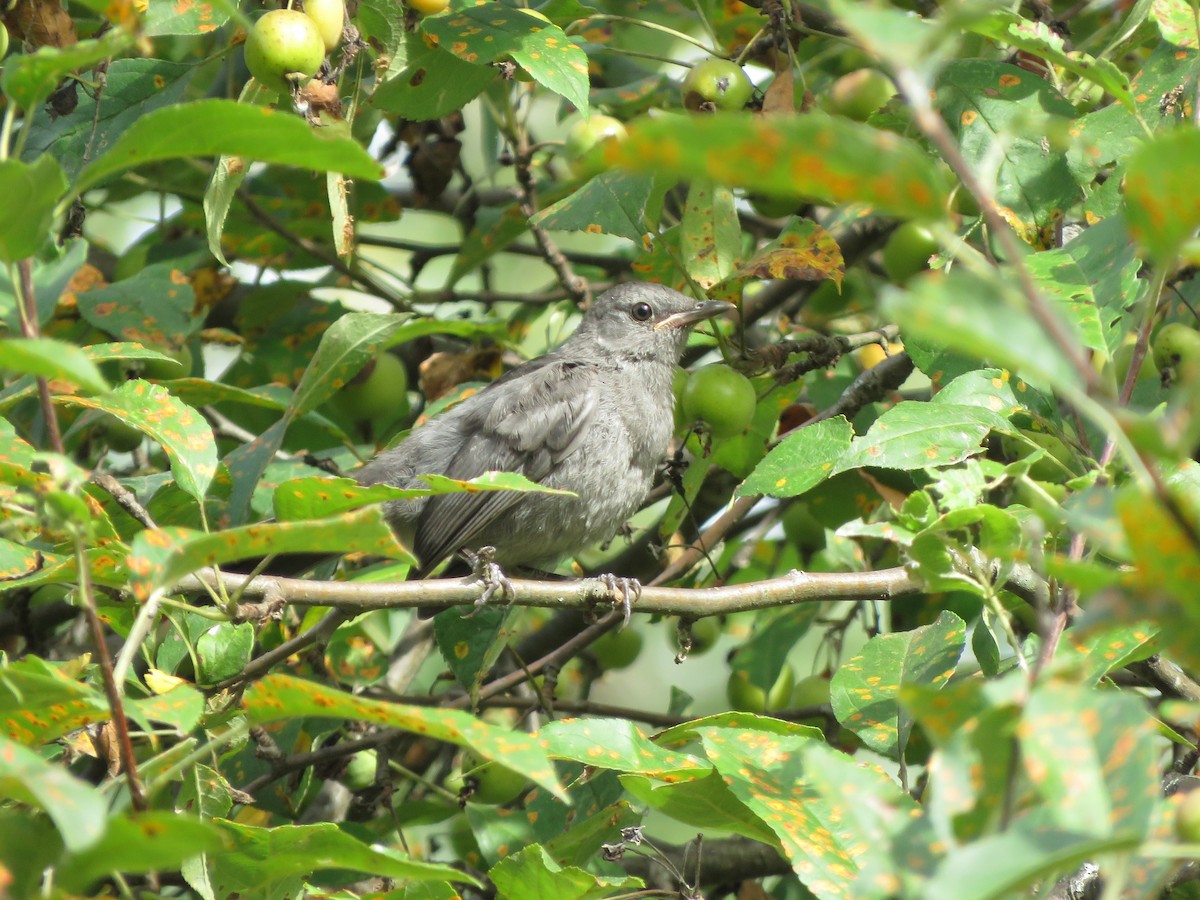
(592, 417)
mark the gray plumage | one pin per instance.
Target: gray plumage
(593, 417)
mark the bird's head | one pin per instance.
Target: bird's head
(643, 321)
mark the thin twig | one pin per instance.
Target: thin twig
(30, 328)
(575, 286)
(116, 706)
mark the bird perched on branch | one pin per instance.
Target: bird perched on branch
(593, 417)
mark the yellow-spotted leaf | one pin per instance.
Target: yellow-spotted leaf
(184, 434)
(865, 691)
(818, 156)
(278, 697)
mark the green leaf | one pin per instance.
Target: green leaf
(185, 18)
(78, 810)
(346, 346)
(488, 481)
(613, 202)
(29, 78)
(52, 272)
(1094, 279)
(1006, 864)
(1091, 758)
(892, 842)
(971, 724)
(801, 461)
(986, 319)
(700, 802)
(617, 744)
(471, 640)
(531, 872)
(1003, 113)
(311, 497)
(570, 841)
(710, 236)
(223, 127)
(776, 632)
(280, 697)
(483, 33)
(161, 557)
(1040, 40)
(804, 251)
(223, 651)
(185, 436)
(227, 177)
(818, 156)
(29, 845)
(35, 189)
(1162, 207)
(896, 36)
(133, 88)
(17, 560)
(1166, 571)
(153, 841)
(814, 800)
(433, 84)
(1113, 133)
(865, 691)
(917, 435)
(155, 307)
(261, 862)
(181, 707)
(48, 358)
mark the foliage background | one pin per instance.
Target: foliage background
(978, 554)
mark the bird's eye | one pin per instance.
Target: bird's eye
(641, 312)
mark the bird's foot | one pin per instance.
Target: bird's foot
(625, 592)
(488, 573)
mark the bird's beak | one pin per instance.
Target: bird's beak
(706, 309)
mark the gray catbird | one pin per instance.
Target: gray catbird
(593, 417)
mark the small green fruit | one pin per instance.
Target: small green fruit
(618, 648)
(721, 397)
(1175, 343)
(428, 7)
(705, 633)
(329, 16)
(811, 691)
(586, 134)
(907, 251)
(747, 697)
(378, 392)
(718, 82)
(858, 94)
(283, 49)
(121, 437)
(494, 784)
(1187, 818)
(801, 527)
(3, 40)
(1122, 360)
(360, 770)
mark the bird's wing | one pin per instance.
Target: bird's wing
(535, 417)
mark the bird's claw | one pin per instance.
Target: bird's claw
(625, 591)
(488, 573)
